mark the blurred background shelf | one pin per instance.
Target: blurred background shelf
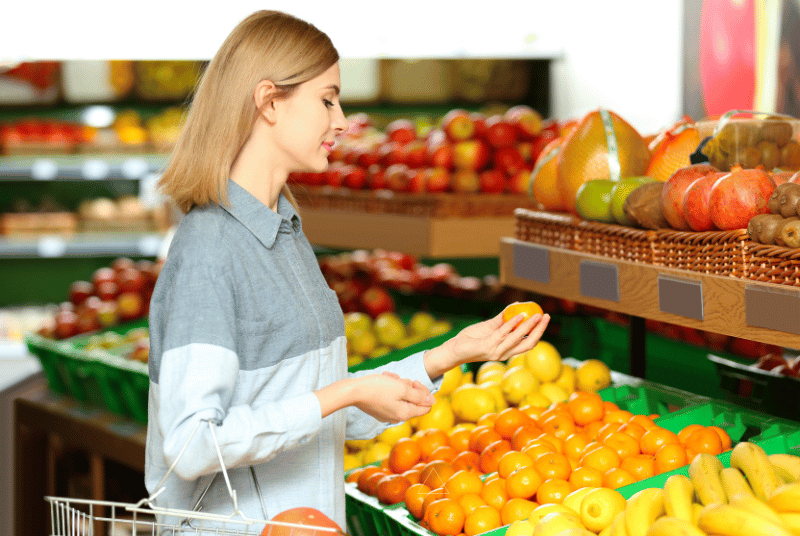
(80, 167)
(81, 245)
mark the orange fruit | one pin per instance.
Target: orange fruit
(384, 464)
(620, 416)
(669, 457)
(634, 430)
(526, 309)
(511, 461)
(654, 416)
(367, 482)
(617, 477)
(609, 406)
(412, 475)
(553, 409)
(467, 460)
(531, 411)
(463, 482)
(391, 489)
(553, 491)
(482, 519)
(583, 477)
(414, 497)
(585, 407)
(458, 439)
(641, 466)
(430, 440)
(654, 439)
(558, 443)
(608, 429)
(524, 435)
(353, 475)
(487, 420)
(435, 473)
(509, 421)
(494, 493)
(433, 495)
(574, 445)
(688, 429)
(601, 458)
(523, 483)
(644, 421)
(592, 429)
(445, 517)
(553, 465)
(490, 457)
(558, 425)
(624, 444)
(481, 437)
(724, 438)
(516, 509)
(704, 440)
(536, 448)
(445, 453)
(470, 501)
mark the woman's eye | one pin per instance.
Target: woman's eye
(328, 103)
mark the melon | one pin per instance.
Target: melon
(544, 178)
(586, 155)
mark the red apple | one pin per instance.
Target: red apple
(129, 306)
(696, 203)
(376, 300)
(525, 149)
(471, 154)
(509, 160)
(376, 177)
(500, 133)
(526, 119)
(355, 177)
(106, 290)
(130, 280)
(333, 175)
(738, 196)
(397, 177)
(492, 181)
(391, 153)
(367, 157)
(438, 179)
(417, 181)
(479, 120)
(441, 155)
(401, 131)
(122, 263)
(415, 154)
(66, 324)
(540, 142)
(465, 181)
(518, 182)
(458, 125)
(79, 291)
(103, 274)
(675, 188)
(359, 119)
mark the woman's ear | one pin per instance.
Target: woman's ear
(264, 97)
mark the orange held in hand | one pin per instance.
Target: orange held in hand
(527, 309)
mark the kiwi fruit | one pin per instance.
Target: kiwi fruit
(762, 227)
(750, 158)
(790, 196)
(776, 130)
(790, 233)
(790, 155)
(779, 230)
(643, 206)
(774, 202)
(770, 154)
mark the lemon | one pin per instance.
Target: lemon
(358, 444)
(362, 341)
(356, 320)
(566, 380)
(497, 393)
(517, 383)
(544, 509)
(440, 327)
(545, 361)
(592, 375)
(440, 416)
(471, 402)
(351, 461)
(537, 400)
(389, 329)
(380, 351)
(521, 527)
(468, 377)
(421, 323)
(599, 508)
(516, 361)
(555, 522)
(353, 360)
(553, 392)
(393, 434)
(450, 380)
(378, 452)
(491, 377)
(489, 368)
(574, 499)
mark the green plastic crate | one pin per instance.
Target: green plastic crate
(649, 398)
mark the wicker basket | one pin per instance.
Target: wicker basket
(547, 228)
(773, 264)
(712, 252)
(616, 241)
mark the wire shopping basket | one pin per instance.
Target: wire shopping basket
(86, 517)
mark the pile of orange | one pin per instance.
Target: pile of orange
(532, 456)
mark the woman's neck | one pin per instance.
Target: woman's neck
(255, 171)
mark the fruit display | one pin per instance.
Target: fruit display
(466, 152)
(770, 142)
(134, 345)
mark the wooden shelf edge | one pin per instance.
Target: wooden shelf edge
(724, 304)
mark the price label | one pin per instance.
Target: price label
(95, 170)
(44, 169)
(599, 280)
(51, 246)
(683, 297)
(531, 262)
(134, 168)
(772, 308)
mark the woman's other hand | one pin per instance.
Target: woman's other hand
(390, 398)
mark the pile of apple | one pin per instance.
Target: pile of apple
(134, 345)
(117, 293)
(465, 153)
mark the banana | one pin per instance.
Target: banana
(786, 498)
(696, 509)
(734, 483)
(678, 495)
(618, 525)
(606, 531)
(753, 505)
(787, 464)
(754, 463)
(672, 526)
(727, 520)
(792, 522)
(704, 472)
(643, 508)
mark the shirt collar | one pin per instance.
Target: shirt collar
(258, 218)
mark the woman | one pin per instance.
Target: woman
(244, 329)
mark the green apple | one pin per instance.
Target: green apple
(620, 192)
(593, 200)
(389, 329)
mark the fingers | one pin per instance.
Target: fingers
(523, 337)
(418, 394)
(531, 339)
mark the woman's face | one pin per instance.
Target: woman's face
(309, 121)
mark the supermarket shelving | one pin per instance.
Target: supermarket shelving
(82, 245)
(80, 167)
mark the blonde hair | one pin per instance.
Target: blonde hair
(267, 45)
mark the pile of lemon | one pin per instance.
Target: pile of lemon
(537, 378)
